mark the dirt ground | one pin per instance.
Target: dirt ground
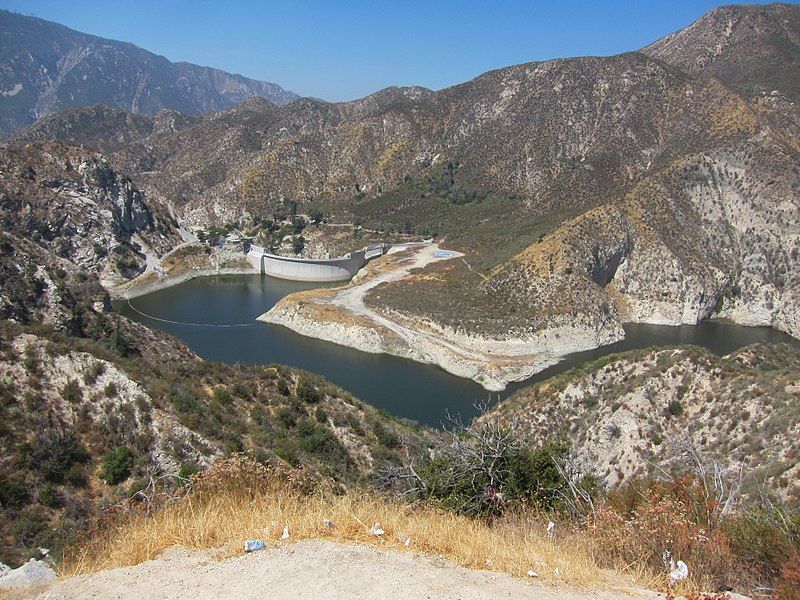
(309, 569)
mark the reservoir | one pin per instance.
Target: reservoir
(399, 386)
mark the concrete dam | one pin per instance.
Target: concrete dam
(342, 268)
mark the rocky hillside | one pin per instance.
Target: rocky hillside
(624, 414)
(68, 209)
(90, 421)
(753, 49)
(47, 67)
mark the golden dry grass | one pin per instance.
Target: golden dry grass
(223, 517)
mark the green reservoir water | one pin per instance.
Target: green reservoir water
(401, 387)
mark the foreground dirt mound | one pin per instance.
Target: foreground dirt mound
(310, 569)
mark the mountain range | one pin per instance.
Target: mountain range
(45, 67)
(585, 192)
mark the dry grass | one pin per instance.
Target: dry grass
(224, 510)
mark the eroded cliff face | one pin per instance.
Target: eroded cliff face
(72, 205)
(716, 234)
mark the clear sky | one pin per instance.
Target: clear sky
(339, 49)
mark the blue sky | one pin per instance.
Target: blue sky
(339, 50)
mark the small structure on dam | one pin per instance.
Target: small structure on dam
(342, 268)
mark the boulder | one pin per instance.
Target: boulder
(32, 573)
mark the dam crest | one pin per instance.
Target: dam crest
(342, 268)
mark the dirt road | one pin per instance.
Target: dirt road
(309, 569)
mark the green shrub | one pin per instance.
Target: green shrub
(117, 465)
(53, 454)
(48, 496)
(287, 450)
(385, 437)
(320, 415)
(320, 441)
(674, 408)
(222, 395)
(188, 469)
(76, 476)
(111, 390)
(484, 471)
(31, 362)
(764, 542)
(13, 493)
(286, 417)
(72, 392)
(29, 525)
(93, 372)
(283, 387)
(308, 392)
(355, 424)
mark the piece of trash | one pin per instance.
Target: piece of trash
(489, 562)
(532, 573)
(254, 545)
(407, 543)
(44, 551)
(550, 529)
(328, 523)
(376, 530)
(556, 571)
(679, 572)
(285, 535)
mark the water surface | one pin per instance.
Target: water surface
(402, 387)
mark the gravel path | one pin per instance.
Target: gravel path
(309, 569)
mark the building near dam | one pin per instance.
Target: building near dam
(342, 268)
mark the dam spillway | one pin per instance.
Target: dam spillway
(321, 270)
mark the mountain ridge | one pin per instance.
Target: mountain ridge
(47, 66)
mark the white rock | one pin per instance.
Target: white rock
(532, 573)
(32, 573)
(285, 535)
(376, 530)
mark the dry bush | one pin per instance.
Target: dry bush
(239, 499)
(658, 520)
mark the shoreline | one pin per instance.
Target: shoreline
(186, 262)
(132, 289)
(341, 316)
